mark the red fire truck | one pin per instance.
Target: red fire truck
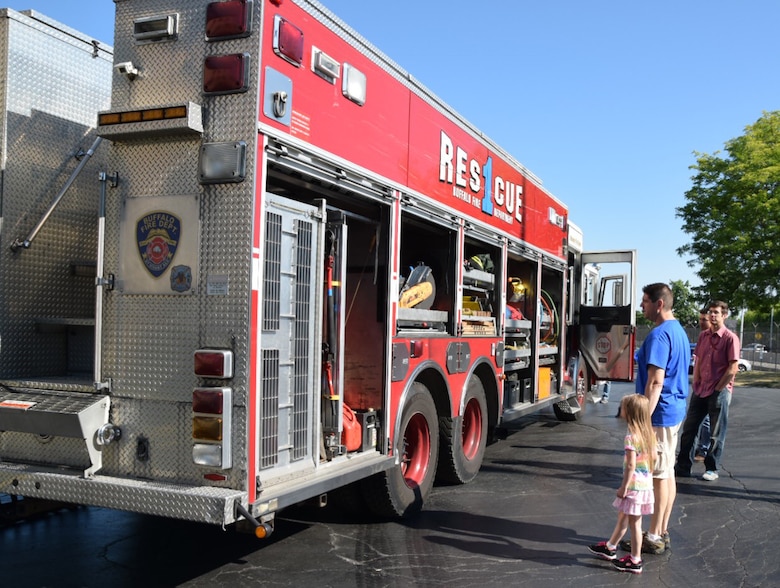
(310, 275)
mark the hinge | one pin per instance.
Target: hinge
(103, 386)
(107, 283)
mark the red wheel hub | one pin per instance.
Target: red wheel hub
(417, 451)
(472, 429)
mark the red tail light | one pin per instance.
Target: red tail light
(214, 363)
(212, 427)
(208, 400)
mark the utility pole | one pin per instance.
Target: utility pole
(742, 327)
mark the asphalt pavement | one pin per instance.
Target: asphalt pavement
(544, 494)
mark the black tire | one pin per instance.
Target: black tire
(403, 489)
(463, 440)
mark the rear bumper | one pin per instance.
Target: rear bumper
(192, 503)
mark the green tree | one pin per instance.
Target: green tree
(732, 215)
(686, 309)
(641, 321)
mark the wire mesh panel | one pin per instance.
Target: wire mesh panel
(301, 383)
(269, 407)
(289, 341)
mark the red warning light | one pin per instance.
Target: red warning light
(228, 20)
(226, 74)
(288, 41)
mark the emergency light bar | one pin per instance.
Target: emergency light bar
(157, 120)
(113, 118)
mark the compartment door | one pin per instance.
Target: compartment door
(290, 338)
(607, 313)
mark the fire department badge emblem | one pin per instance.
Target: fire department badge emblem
(181, 278)
(158, 235)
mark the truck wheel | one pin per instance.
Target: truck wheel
(402, 490)
(463, 440)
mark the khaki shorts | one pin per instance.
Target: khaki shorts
(667, 448)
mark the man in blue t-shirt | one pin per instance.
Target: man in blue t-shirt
(662, 376)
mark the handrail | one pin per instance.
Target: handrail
(101, 283)
(18, 243)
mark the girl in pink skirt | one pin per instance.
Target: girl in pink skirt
(635, 495)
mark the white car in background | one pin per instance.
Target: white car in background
(755, 347)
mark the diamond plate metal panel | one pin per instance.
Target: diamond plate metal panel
(54, 81)
(148, 339)
(54, 69)
(61, 452)
(204, 504)
(4, 30)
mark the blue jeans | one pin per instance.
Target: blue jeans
(716, 406)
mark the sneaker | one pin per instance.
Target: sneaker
(626, 564)
(604, 400)
(602, 550)
(710, 475)
(648, 545)
(667, 541)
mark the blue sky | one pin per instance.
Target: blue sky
(606, 101)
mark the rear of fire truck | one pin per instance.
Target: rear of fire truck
(153, 419)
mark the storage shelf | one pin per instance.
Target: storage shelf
(517, 325)
(478, 325)
(513, 354)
